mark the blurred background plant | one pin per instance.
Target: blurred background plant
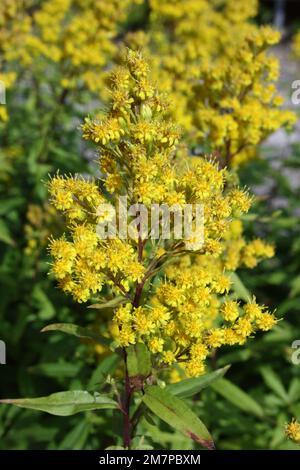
(214, 59)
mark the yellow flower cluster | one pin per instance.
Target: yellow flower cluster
(238, 252)
(292, 431)
(216, 67)
(187, 312)
(11, 30)
(71, 40)
(202, 314)
(41, 222)
(83, 263)
(189, 315)
(135, 144)
(206, 54)
(199, 298)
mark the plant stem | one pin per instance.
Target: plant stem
(126, 407)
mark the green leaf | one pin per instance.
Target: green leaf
(295, 409)
(282, 332)
(237, 355)
(241, 292)
(109, 304)
(107, 366)
(294, 390)
(115, 448)
(55, 370)
(295, 286)
(167, 439)
(65, 403)
(140, 443)
(8, 205)
(138, 360)
(187, 388)
(273, 381)
(5, 234)
(277, 435)
(75, 330)
(77, 437)
(237, 397)
(177, 414)
(46, 310)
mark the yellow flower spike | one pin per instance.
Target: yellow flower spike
(187, 311)
(219, 83)
(55, 32)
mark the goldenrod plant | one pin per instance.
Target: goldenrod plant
(50, 65)
(71, 40)
(170, 299)
(7, 77)
(221, 76)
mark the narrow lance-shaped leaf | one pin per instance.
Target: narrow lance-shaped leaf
(177, 414)
(5, 235)
(77, 436)
(76, 330)
(241, 292)
(274, 382)
(65, 403)
(107, 366)
(109, 304)
(187, 388)
(237, 397)
(55, 370)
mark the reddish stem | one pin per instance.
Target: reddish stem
(128, 389)
(126, 408)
